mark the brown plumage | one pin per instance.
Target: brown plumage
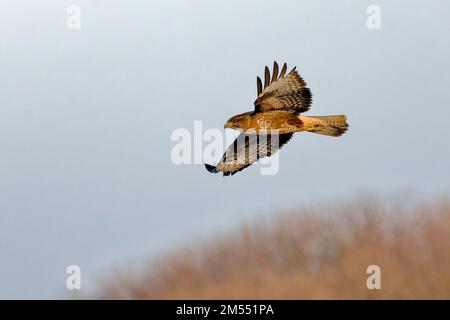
(274, 120)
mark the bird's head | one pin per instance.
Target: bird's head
(239, 122)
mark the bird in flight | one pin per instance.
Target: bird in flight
(275, 118)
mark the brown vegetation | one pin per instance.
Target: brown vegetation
(313, 253)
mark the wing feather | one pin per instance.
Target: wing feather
(283, 70)
(275, 72)
(288, 93)
(247, 149)
(266, 77)
(258, 85)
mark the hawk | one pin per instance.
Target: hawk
(275, 118)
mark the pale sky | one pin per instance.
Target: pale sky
(86, 116)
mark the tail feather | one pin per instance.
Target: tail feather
(333, 126)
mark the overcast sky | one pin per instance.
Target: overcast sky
(86, 117)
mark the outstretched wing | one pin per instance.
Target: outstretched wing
(246, 150)
(282, 92)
